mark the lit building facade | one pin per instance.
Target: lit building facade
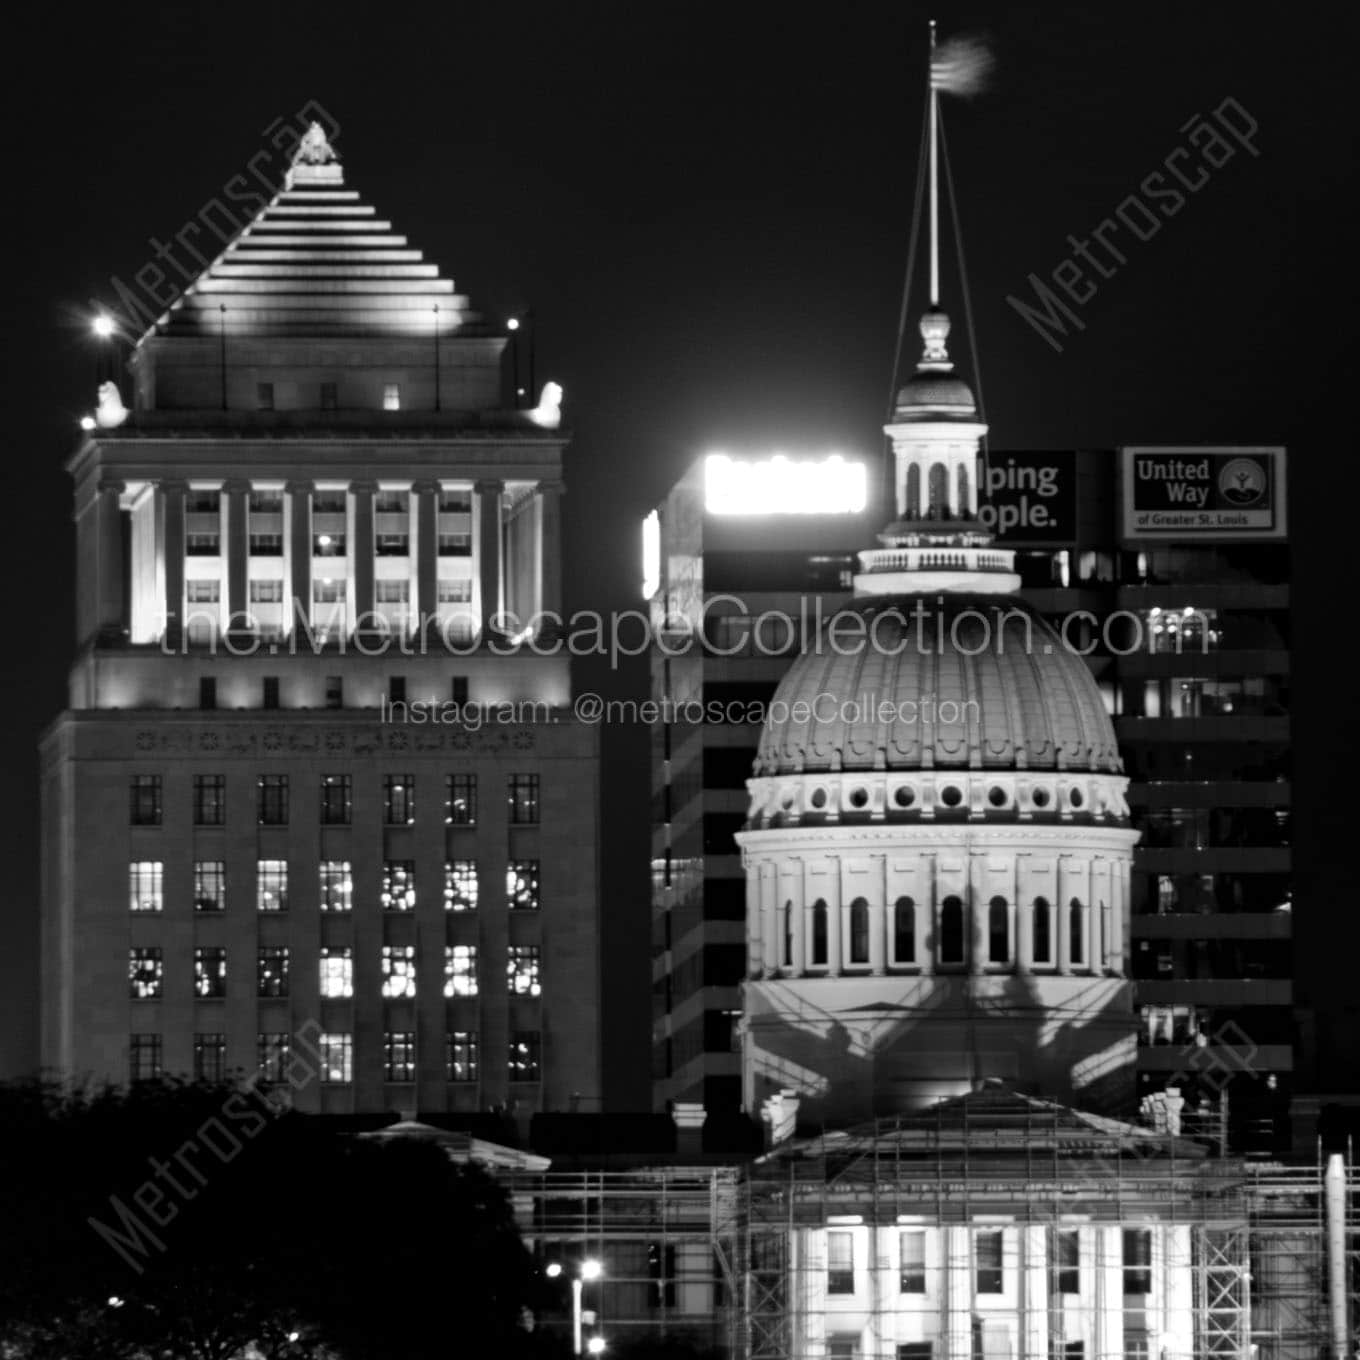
(318, 775)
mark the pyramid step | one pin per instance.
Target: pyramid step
(321, 210)
(228, 268)
(262, 287)
(451, 303)
(244, 252)
(320, 226)
(272, 239)
(319, 196)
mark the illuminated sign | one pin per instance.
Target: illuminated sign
(784, 486)
(1030, 498)
(1202, 493)
(651, 555)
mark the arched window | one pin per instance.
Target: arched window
(939, 492)
(913, 506)
(998, 931)
(961, 482)
(951, 930)
(859, 931)
(788, 934)
(1077, 934)
(819, 933)
(1043, 931)
(904, 930)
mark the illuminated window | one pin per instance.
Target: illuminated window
(904, 930)
(210, 885)
(329, 544)
(460, 800)
(1076, 918)
(523, 799)
(455, 545)
(456, 591)
(145, 791)
(461, 1055)
(521, 885)
(460, 970)
(337, 1059)
(266, 592)
(273, 1052)
(271, 885)
(336, 797)
(818, 959)
(1137, 1260)
(1043, 931)
(398, 970)
(210, 1057)
(399, 799)
(271, 800)
(201, 544)
(144, 1057)
(337, 971)
(951, 930)
(330, 591)
(145, 879)
(271, 971)
(988, 1258)
(460, 885)
(1067, 1262)
(146, 974)
(455, 502)
(525, 1055)
(204, 592)
(391, 396)
(399, 1056)
(210, 971)
(335, 691)
(913, 1277)
(267, 545)
(998, 931)
(399, 885)
(522, 969)
(266, 501)
(840, 1263)
(337, 885)
(210, 799)
(859, 931)
(391, 592)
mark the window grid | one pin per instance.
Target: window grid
(273, 1053)
(525, 1055)
(399, 799)
(1067, 1262)
(461, 1055)
(336, 799)
(840, 1263)
(521, 885)
(337, 971)
(272, 800)
(337, 885)
(337, 1059)
(460, 970)
(460, 885)
(271, 885)
(399, 1056)
(398, 971)
(146, 885)
(144, 1057)
(522, 794)
(460, 800)
(210, 972)
(271, 971)
(988, 1248)
(399, 885)
(210, 799)
(210, 1057)
(146, 974)
(913, 1272)
(210, 885)
(522, 970)
(145, 800)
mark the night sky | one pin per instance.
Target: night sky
(708, 209)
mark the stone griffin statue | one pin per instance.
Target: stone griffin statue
(548, 412)
(110, 413)
(314, 148)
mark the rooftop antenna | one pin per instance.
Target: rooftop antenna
(934, 176)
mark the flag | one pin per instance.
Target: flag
(960, 66)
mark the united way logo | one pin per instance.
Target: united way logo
(1242, 481)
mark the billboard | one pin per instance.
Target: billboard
(1202, 494)
(1029, 499)
(784, 486)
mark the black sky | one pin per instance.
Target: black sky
(708, 209)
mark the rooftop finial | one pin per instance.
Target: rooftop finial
(935, 331)
(314, 148)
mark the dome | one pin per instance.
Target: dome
(935, 395)
(965, 681)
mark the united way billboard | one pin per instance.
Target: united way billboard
(1029, 499)
(1202, 494)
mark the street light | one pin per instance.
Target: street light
(585, 1270)
(595, 1345)
(103, 325)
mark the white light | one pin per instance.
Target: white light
(512, 324)
(595, 1345)
(87, 422)
(115, 1301)
(103, 326)
(651, 555)
(845, 1220)
(552, 1270)
(782, 486)
(591, 1270)
(324, 540)
(293, 1336)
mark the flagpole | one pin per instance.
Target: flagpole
(934, 181)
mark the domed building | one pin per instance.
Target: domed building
(937, 848)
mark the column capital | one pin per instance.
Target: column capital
(112, 484)
(236, 486)
(554, 488)
(425, 486)
(364, 486)
(488, 486)
(173, 486)
(299, 488)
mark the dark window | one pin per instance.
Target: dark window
(819, 933)
(1077, 932)
(1137, 1260)
(951, 930)
(335, 692)
(461, 1055)
(207, 691)
(145, 792)
(455, 545)
(859, 931)
(210, 799)
(399, 799)
(273, 1052)
(336, 796)
(399, 1056)
(788, 934)
(904, 930)
(271, 971)
(271, 798)
(329, 396)
(913, 1245)
(396, 689)
(1067, 1262)
(264, 396)
(525, 1056)
(1043, 931)
(523, 797)
(210, 1057)
(210, 892)
(916, 1350)
(460, 689)
(988, 1247)
(840, 1263)
(460, 800)
(144, 1057)
(998, 931)
(210, 971)
(271, 691)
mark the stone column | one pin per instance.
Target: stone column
(1109, 1321)
(109, 624)
(1062, 920)
(771, 934)
(755, 938)
(1176, 1281)
(361, 554)
(489, 553)
(550, 548)
(1024, 935)
(172, 495)
(236, 493)
(1095, 943)
(880, 922)
(799, 927)
(835, 926)
(926, 925)
(426, 495)
(957, 1323)
(1034, 1301)
(300, 555)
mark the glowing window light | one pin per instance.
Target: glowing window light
(783, 486)
(651, 555)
